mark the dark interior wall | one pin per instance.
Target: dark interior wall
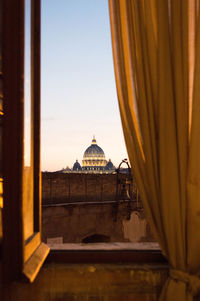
(99, 282)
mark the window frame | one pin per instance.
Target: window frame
(20, 258)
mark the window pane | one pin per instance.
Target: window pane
(28, 152)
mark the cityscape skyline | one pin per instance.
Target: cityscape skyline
(81, 158)
(78, 92)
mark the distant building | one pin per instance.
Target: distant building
(109, 166)
(94, 158)
(94, 161)
(76, 166)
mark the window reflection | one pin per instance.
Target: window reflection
(28, 153)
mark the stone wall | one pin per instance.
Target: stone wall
(73, 223)
(60, 188)
(80, 206)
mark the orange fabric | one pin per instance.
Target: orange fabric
(156, 50)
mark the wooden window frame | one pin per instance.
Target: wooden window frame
(20, 258)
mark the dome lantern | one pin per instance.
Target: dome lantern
(94, 140)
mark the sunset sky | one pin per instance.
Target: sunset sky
(78, 87)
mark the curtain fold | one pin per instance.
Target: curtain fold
(156, 50)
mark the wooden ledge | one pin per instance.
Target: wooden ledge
(34, 263)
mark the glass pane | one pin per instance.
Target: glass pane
(28, 152)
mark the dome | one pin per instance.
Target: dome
(94, 158)
(77, 166)
(94, 151)
(109, 166)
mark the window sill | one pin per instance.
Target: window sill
(108, 246)
(106, 253)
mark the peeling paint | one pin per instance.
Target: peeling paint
(135, 228)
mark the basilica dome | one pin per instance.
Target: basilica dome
(94, 157)
(94, 151)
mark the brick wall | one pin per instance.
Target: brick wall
(76, 206)
(64, 188)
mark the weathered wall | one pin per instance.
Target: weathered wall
(63, 188)
(75, 222)
(99, 282)
(76, 206)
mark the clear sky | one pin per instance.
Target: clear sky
(78, 90)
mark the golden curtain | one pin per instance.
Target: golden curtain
(156, 49)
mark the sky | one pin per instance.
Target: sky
(78, 92)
